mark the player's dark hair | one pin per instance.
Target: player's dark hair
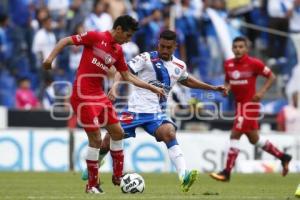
(168, 35)
(240, 39)
(127, 23)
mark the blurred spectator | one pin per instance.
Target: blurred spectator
(76, 15)
(99, 19)
(44, 41)
(130, 50)
(188, 24)
(7, 89)
(149, 15)
(48, 96)
(288, 119)
(115, 8)
(279, 13)
(25, 97)
(41, 14)
(5, 51)
(58, 8)
(294, 24)
(75, 52)
(180, 52)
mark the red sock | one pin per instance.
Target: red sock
(118, 162)
(92, 166)
(231, 157)
(270, 148)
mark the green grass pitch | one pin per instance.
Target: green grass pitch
(46, 186)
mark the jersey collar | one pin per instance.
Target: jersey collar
(242, 59)
(110, 37)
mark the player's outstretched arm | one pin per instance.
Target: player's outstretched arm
(192, 82)
(127, 76)
(47, 63)
(259, 95)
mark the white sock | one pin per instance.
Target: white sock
(177, 159)
(235, 144)
(92, 153)
(116, 145)
(261, 142)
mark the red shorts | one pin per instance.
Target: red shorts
(93, 114)
(246, 118)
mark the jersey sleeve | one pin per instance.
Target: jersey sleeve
(86, 39)
(261, 68)
(184, 75)
(120, 64)
(136, 64)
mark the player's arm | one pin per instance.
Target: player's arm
(127, 76)
(259, 95)
(57, 49)
(192, 82)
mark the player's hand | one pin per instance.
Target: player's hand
(159, 91)
(223, 89)
(112, 94)
(257, 97)
(47, 64)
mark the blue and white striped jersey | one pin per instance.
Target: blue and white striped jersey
(150, 68)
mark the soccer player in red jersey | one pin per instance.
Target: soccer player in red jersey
(240, 78)
(92, 107)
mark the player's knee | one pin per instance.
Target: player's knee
(119, 135)
(105, 142)
(171, 143)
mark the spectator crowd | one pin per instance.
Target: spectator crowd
(29, 29)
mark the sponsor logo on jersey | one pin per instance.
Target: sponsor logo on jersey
(108, 58)
(238, 82)
(99, 64)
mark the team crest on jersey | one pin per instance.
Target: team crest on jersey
(236, 74)
(177, 71)
(108, 59)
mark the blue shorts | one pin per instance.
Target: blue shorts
(150, 122)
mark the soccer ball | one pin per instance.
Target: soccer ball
(132, 183)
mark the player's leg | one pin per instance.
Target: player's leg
(94, 140)
(116, 150)
(232, 155)
(86, 114)
(267, 146)
(167, 133)
(104, 149)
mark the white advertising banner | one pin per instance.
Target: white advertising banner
(48, 150)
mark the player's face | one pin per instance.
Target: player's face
(239, 49)
(123, 36)
(166, 48)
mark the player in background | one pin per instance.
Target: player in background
(147, 110)
(240, 78)
(92, 107)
